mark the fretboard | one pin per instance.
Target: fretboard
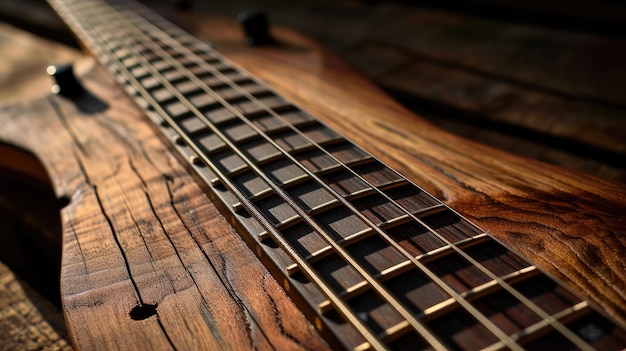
(371, 259)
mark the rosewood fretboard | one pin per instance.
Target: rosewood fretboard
(372, 259)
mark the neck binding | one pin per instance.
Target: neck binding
(372, 259)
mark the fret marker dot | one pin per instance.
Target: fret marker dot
(590, 332)
(286, 284)
(318, 324)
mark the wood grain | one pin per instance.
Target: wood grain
(552, 92)
(27, 320)
(138, 231)
(542, 211)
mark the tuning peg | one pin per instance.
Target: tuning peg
(66, 83)
(256, 28)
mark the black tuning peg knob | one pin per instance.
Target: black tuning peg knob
(256, 28)
(66, 83)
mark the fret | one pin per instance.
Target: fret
(201, 101)
(415, 238)
(268, 123)
(284, 172)
(289, 222)
(219, 115)
(174, 76)
(163, 95)
(253, 187)
(310, 195)
(253, 89)
(406, 218)
(374, 312)
(275, 210)
(210, 143)
(347, 153)
(493, 256)
(450, 226)
(457, 272)
(304, 239)
(240, 133)
(151, 83)
(247, 107)
(193, 125)
(392, 184)
(161, 66)
(445, 250)
(378, 209)
(589, 325)
(327, 250)
(340, 223)
(260, 151)
(373, 254)
(327, 206)
(401, 267)
(229, 93)
(176, 109)
(412, 198)
(341, 180)
(292, 142)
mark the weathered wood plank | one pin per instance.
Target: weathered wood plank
(23, 60)
(497, 100)
(27, 320)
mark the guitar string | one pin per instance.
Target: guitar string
(527, 302)
(373, 226)
(484, 321)
(269, 110)
(350, 316)
(386, 295)
(522, 298)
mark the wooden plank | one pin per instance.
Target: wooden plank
(27, 320)
(597, 131)
(24, 60)
(497, 99)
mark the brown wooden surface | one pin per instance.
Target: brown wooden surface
(127, 191)
(27, 320)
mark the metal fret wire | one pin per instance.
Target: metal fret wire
(528, 303)
(339, 197)
(382, 291)
(458, 298)
(342, 308)
(408, 316)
